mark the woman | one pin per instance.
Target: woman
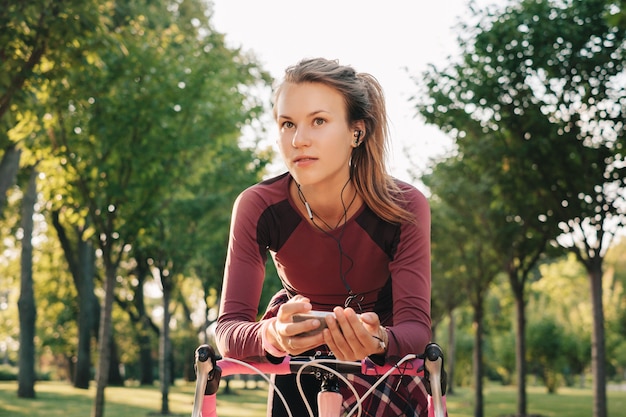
(344, 235)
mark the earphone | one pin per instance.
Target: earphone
(357, 135)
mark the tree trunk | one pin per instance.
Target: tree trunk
(80, 257)
(26, 303)
(450, 355)
(104, 359)
(9, 166)
(165, 357)
(146, 363)
(115, 374)
(87, 320)
(598, 350)
(478, 361)
(520, 345)
(144, 326)
(82, 369)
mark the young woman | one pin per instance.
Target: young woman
(344, 235)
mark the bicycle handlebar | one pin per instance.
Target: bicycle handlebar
(429, 366)
(291, 365)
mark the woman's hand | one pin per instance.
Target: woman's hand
(284, 334)
(353, 337)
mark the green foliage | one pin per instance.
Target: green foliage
(534, 105)
(8, 373)
(464, 363)
(615, 293)
(461, 198)
(501, 356)
(9, 281)
(617, 15)
(532, 85)
(35, 34)
(135, 111)
(561, 299)
(446, 264)
(56, 301)
(545, 351)
(563, 291)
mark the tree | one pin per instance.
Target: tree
(35, 35)
(126, 130)
(447, 272)
(545, 76)
(80, 256)
(202, 204)
(466, 195)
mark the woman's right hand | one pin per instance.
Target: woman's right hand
(286, 335)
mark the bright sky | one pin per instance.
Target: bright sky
(392, 40)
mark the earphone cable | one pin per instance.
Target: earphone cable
(342, 275)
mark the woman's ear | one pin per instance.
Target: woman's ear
(359, 125)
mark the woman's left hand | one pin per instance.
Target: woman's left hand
(353, 337)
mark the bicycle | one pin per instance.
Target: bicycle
(210, 368)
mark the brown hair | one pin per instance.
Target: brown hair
(365, 101)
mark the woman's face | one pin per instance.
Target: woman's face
(315, 139)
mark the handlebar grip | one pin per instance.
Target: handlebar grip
(433, 352)
(204, 353)
(433, 364)
(206, 364)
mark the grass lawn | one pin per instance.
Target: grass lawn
(502, 401)
(57, 399)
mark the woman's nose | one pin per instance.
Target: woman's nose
(299, 139)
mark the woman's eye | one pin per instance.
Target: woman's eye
(318, 121)
(287, 125)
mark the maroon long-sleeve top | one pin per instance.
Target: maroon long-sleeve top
(386, 265)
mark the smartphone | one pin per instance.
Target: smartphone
(319, 315)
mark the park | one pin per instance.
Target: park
(127, 130)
